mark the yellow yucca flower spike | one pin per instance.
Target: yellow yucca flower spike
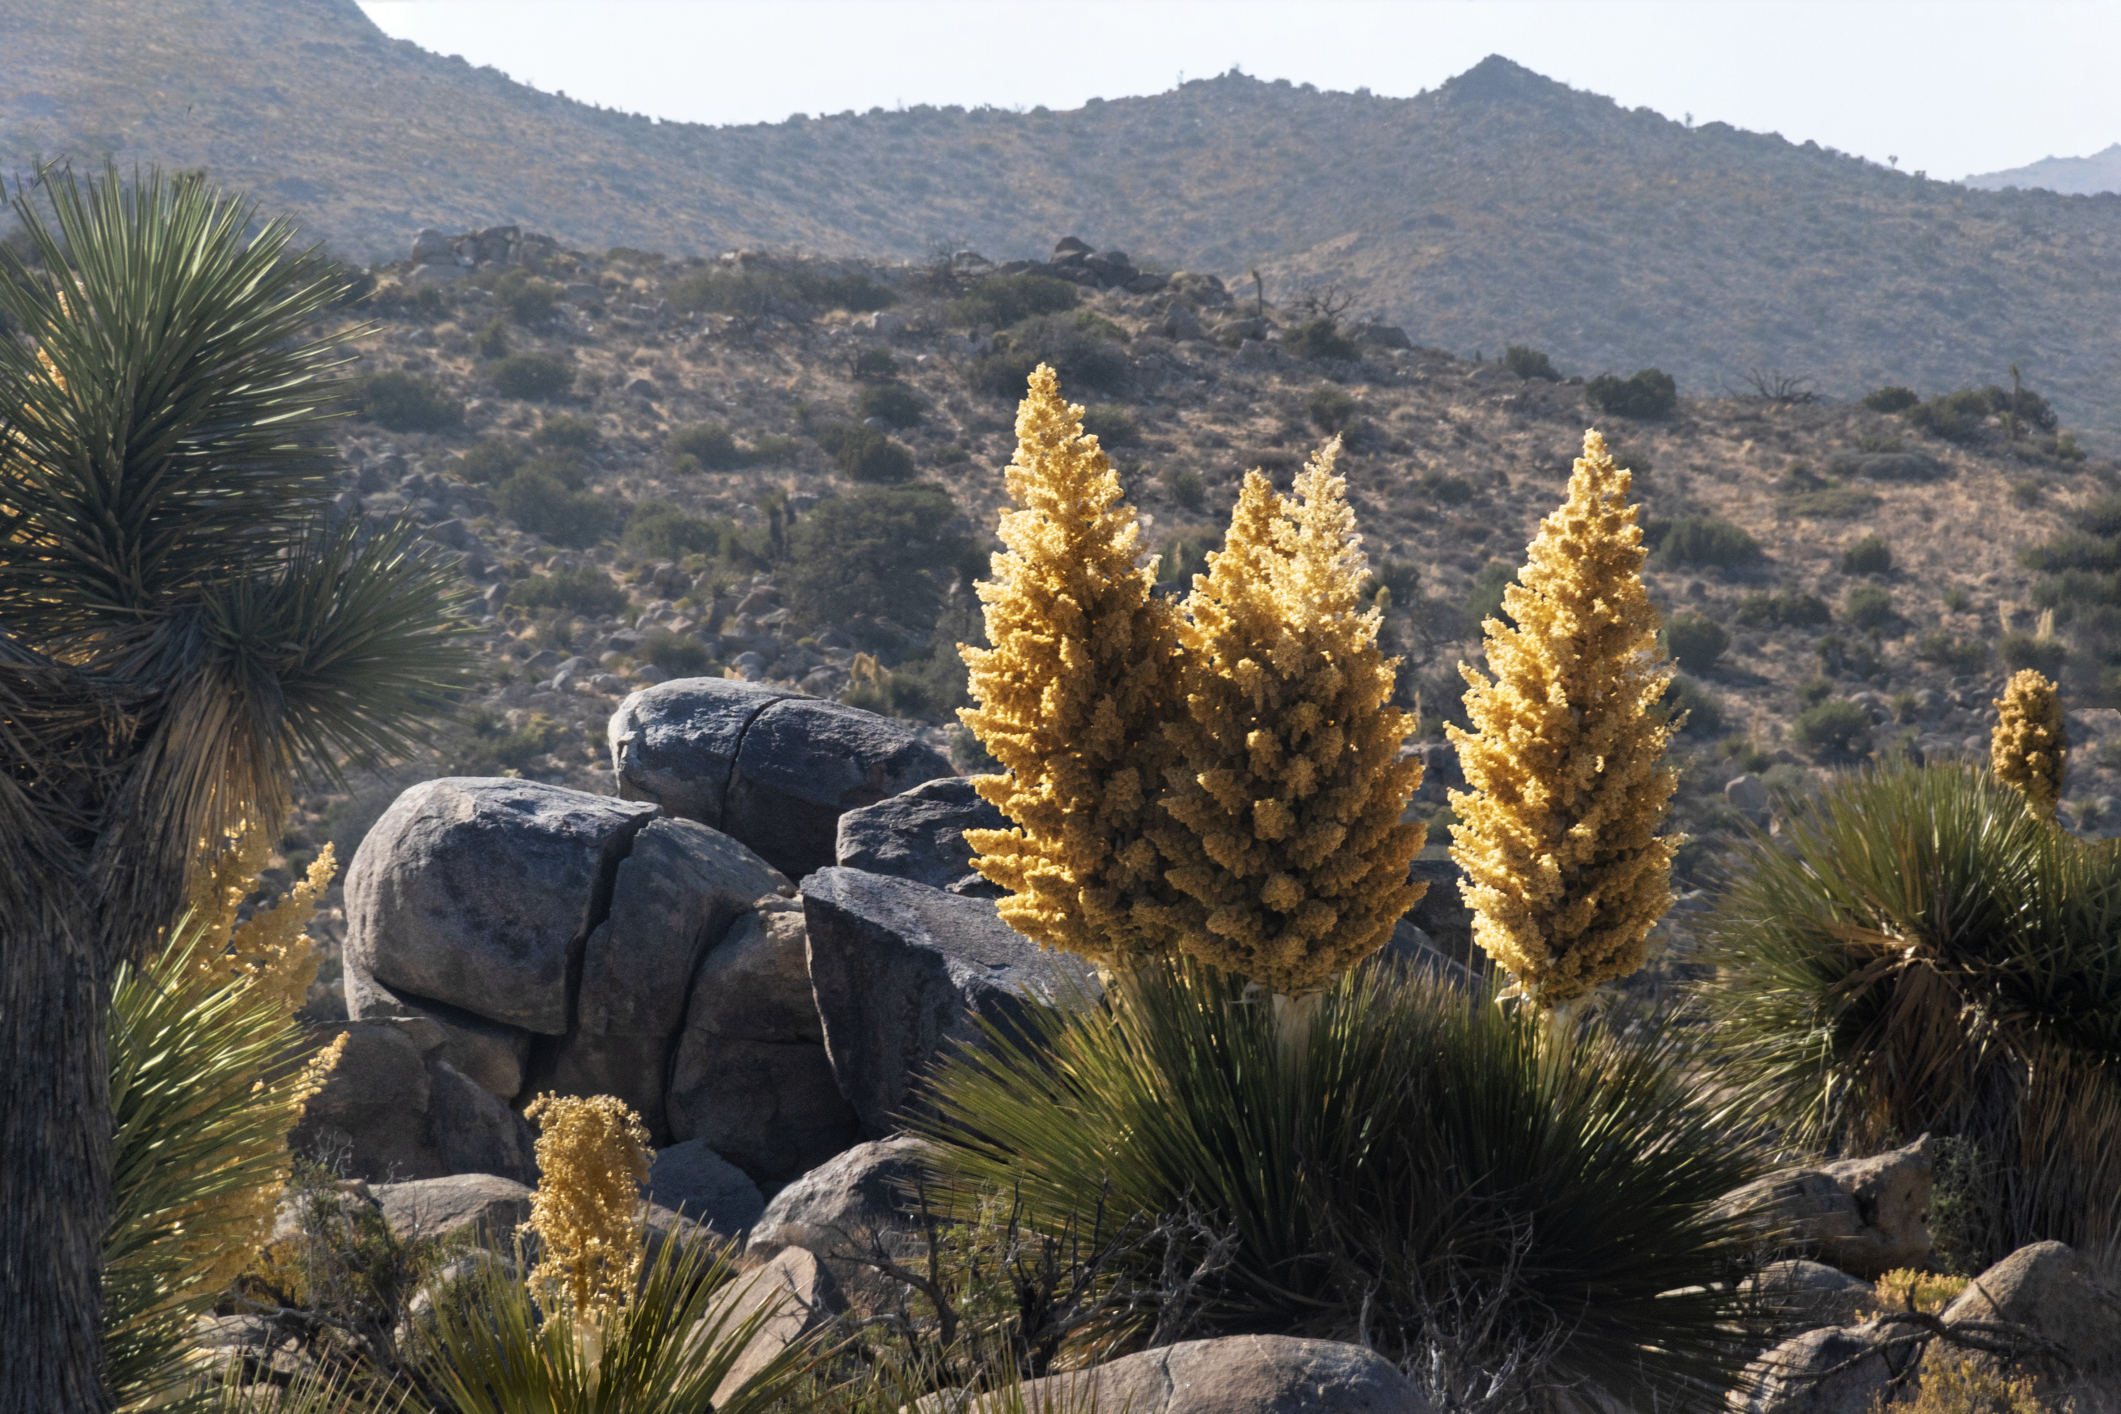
(2029, 750)
(1565, 871)
(1285, 839)
(1071, 698)
(592, 1161)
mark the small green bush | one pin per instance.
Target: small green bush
(1651, 393)
(1447, 490)
(532, 377)
(1870, 555)
(1963, 416)
(1529, 364)
(1187, 489)
(678, 654)
(404, 403)
(873, 364)
(1868, 605)
(543, 504)
(791, 293)
(1858, 656)
(529, 301)
(1960, 655)
(894, 404)
(1832, 731)
(708, 444)
(1081, 351)
(659, 530)
(1702, 541)
(1329, 408)
(883, 551)
(566, 432)
(489, 461)
(1695, 641)
(493, 339)
(1112, 425)
(1484, 599)
(586, 590)
(774, 449)
(1704, 713)
(866, 454)
(1320, 338)
(1892, 399)
(1003, 300)
(2020, 651)
(1782, 611)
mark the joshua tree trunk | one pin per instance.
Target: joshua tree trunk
(55, 1147)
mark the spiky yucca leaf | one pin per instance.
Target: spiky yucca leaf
(1420, 1142)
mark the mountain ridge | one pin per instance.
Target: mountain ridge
(1500, 208)
(2093, 175)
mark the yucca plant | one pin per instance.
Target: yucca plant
(182, 632)
(495, 1344)
(1922, 950)
(1421, 1147)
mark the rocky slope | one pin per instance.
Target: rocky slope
(1501, 208)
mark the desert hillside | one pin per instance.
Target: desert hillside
(659, 468)
(1501, 208)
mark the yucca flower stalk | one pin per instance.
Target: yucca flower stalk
(2029, 749)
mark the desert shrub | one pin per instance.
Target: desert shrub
(1650, 393)
(1329, 408)
(1961, 655)
(1320, 338)
(678, 654)
(2020, 651)
(565, 432)
(1870, 555)
(1922, 951)
(708, 444)
(776, 449)
(791, 293)
(1694, 641)
(1421, 1144)
(404, 403)
(1951, 1382)
(1529, 363)
(1834, 730)
(894, 404)
(866, 454)
(1963, 416)
(1702, 541)
(527, 299)
(586, 590)
(492, 342)
(1186, 489)
(1082, 352)
(871, 365)
(1788, 610)
(1830, 503)
(1704, 717)
(1445, 489)
(532, 377)
(495, 746)
(659, 530)
(1112, 424)
(543, 504)
(1484, 598)
(1002, 300)
(1858, 656)
(882, 551)
(1868, 605)
(489, 461)
(1891, 399)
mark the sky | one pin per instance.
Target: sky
(1948, 86)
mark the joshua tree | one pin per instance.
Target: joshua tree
(1072, 698)
(1567, 873)
(179, 632)
(1285, 799)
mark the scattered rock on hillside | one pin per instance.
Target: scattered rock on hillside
(692, 1179)
(1864, 1216)
(919, 834)
(1242, 1374)
(901, 971)
(443, 1207)
(837, 1209)
(474, 892)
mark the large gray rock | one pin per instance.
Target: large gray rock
(392, 1109)
(1798, 1295)
(692, 1179)
(902, 971)
(443, 1207)
(1239, 1374)
(490, 1052)
(1835, 1370)
(1864, 1216)
(799, 1298)
(919, 834)
(804, 763)
(837, 1210)
(2056, 1293)
(750, 1075)
(676, 742)
(1442, 913)
(479, 893)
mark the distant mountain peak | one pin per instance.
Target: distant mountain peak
(2083, 176)
(1500, 81)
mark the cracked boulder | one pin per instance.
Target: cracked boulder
(902, 972)
(919, 834)
(859, 1202)
(1864, 1216)
(2058, 1295)
(392, 1109)
(478, 893)
(750, 1075)
(769, 769)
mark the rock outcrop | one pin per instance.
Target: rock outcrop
(1864, 1216)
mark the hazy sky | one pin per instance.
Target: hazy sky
(1949, 86)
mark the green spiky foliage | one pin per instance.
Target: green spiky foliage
(178, 633)
(1419, 1147)
(1921, 950)
(490, 1348)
